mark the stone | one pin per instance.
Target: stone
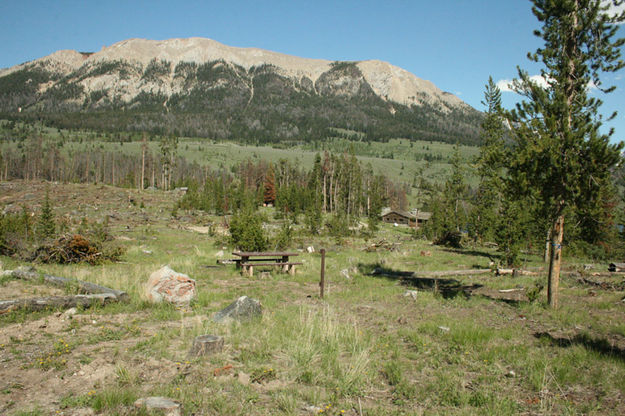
(310, 249)
(345, 274)
(411, 293)
(167, 285)
(206, 345)
(163, 404)
(444, 328)
(243, 308)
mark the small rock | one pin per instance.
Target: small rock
(147, 251)
(163, 404)
(443, 328)
(243, 378)
(411, 293)
(168, 285)
(70, 312)
(241, 309)
(511, 373)
(345, 274)
(310, 249)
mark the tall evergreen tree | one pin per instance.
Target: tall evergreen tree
(269, 195)
(560, 152)
(455, 190)
(490, 163)
(45, 225)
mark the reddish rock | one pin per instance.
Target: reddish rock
(167, 285)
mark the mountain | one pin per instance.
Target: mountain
(200, 87)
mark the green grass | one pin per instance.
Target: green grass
(364, 346)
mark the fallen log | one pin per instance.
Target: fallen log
(515, 272)
(83, 287)
(517, 289)
(445, 273)
(602, 285)
(63, 302)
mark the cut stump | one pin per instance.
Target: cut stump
(205, 345)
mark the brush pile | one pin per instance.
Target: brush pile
(68, 249)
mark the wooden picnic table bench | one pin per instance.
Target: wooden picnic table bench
(249, 259)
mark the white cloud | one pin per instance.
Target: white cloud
(613, 10)
(507, 85)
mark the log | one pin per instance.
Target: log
(516, 272)
(64, 302)
(205, 345)
(83, 287)
(445, 273)
(518, 289)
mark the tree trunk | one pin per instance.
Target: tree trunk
(553, 283)
(547, 246)
(143, 148)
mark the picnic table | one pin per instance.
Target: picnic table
(249, 259)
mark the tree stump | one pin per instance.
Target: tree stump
(205, 345)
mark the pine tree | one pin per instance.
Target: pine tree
(490, 163)
(45, 225)
(269, 195)
(560, 152)
(455, 191)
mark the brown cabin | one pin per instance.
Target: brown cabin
(414, 219)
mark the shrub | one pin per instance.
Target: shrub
(246, 231)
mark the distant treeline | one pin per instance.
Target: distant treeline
(336, 183)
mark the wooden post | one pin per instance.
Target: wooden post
(323, 272)
(554, 264)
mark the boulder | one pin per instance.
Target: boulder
(167, 285)
(243, 308)
(161, 404)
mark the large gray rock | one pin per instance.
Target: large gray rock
(167, 285)
(243, 308)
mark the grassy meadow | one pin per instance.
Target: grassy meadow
(460, 347)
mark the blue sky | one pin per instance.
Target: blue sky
(456, 44)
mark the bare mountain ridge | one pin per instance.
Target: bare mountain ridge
(191, 76)
(387, 81)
